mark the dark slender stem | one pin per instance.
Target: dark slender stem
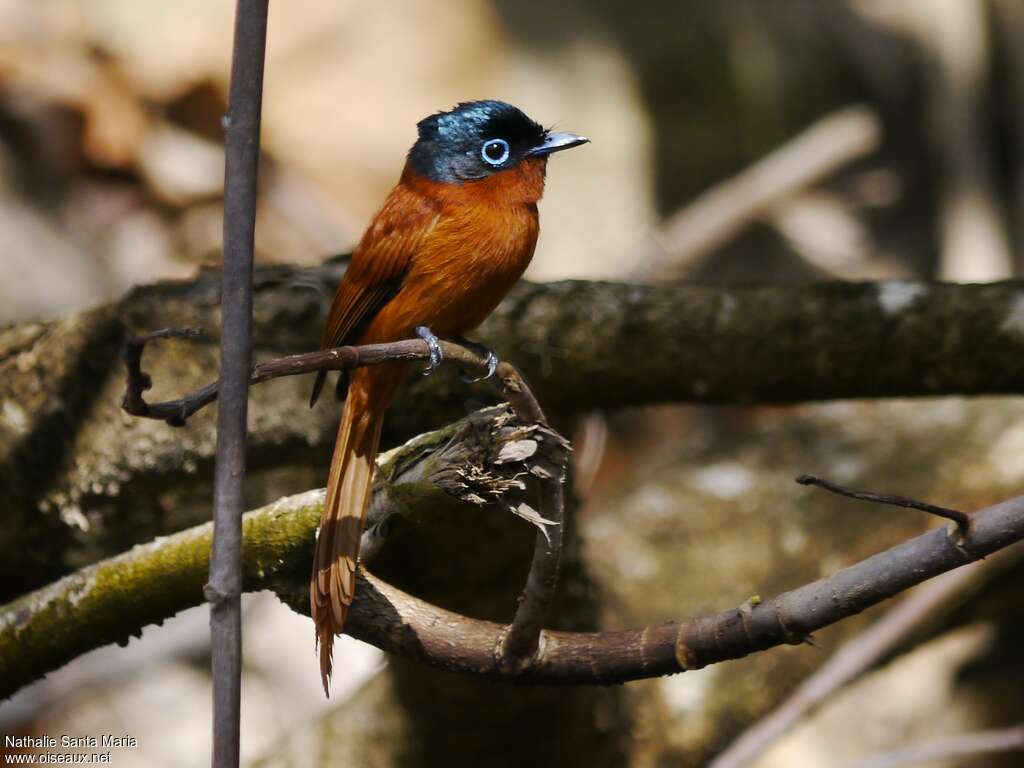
(522, 641)
(224, 589)
(138, 381)
(962, 520)
(509, 383)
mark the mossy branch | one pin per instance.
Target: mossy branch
(112, 601)
(466, 464)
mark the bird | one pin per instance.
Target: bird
(449, 241)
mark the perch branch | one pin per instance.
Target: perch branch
(116, 598)
(177, 412)
(962, 521)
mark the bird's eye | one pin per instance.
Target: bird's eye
(495, 151)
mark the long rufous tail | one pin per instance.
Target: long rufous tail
(349, 485)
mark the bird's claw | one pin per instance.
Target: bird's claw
(436, 355)
(492, 365)
(490, 359)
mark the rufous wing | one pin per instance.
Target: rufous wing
(378, 265)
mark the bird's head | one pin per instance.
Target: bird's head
(477, 139)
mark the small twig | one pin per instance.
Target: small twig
(508, 382)
(177, 412)
(138, 381)
(962, 520)
(983, 742)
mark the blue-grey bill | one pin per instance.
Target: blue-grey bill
(556, 142)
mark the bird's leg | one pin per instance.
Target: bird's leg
(486, 352)
(436, 355)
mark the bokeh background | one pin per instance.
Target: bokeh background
(737, 140)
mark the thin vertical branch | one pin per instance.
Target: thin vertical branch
(521, 644)
(224, 589)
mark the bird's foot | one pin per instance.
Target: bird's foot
(486, 352)
(436, 355)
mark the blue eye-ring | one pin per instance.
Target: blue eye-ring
(495, 151)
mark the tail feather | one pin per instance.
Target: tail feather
(318, 385)
(349, 485)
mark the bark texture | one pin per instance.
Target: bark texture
(84, 481)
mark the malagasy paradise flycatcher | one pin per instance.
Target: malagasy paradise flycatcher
(447, 245)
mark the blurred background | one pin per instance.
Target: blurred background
(738, 140)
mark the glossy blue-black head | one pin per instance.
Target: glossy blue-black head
(479, 138)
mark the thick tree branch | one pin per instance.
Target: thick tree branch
(114, 599)
(740, 344)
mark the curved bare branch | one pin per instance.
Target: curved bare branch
(114, 599)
